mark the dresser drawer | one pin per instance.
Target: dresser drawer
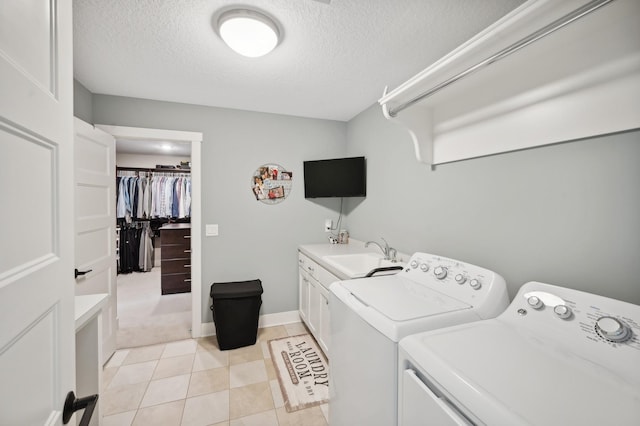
(176, 283)
(175, 252)
(175, 236)
(175, 266)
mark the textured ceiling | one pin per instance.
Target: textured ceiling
(333, 62)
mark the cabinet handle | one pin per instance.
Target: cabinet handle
(300, 261)
(188, 280)
(310, 268)
(186, 236)
(187, 266)
(187, 251)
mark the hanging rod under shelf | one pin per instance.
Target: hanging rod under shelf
(543, 32)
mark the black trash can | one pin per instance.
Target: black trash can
(235, 308)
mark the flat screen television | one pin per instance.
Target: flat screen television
(338, 177)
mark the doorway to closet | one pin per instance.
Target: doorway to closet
(147, 312)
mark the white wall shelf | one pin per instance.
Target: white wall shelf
(580, 81)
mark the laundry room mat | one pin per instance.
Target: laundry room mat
(303, 372)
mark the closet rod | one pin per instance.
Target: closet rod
(545, 31)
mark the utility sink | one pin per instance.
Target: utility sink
(359, 265)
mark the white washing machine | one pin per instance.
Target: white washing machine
(370, 315)
(556, 356)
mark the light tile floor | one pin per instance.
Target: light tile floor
(192, 382)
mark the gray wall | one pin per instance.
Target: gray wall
(567, 214)
(82, 102)
(256, 240)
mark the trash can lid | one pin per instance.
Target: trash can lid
(235, 289)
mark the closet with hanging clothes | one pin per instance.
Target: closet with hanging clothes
(153, 193)
(153, 190)
(146, 200)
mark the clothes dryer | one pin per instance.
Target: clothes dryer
(370, 315)
(556, 356)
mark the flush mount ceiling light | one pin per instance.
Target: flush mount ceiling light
(248, 32)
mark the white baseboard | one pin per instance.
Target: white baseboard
(207, 329)
(280, 318)
(267, 320)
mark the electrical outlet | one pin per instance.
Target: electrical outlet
(327, 225)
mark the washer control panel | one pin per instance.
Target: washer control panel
(613, 329)
(466, 282)
(604, 330)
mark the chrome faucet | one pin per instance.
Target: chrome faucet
(386, 250)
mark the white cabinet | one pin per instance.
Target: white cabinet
(325, 332)
(303, 295)
(314, 282)
(314, 308)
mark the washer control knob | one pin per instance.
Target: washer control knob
(414, 264)
(440, 272)
(461, 279)
(535, 302)
(562, 311)
(475, 284)
(613, 329)
(424, 267)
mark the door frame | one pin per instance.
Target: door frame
(195, 138)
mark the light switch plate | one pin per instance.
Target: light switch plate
(211, 230)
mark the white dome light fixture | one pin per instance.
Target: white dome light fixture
(248, 32)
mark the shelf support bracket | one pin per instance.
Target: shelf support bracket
(418, 121)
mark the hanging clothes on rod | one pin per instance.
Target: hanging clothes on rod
(136, 247)
(129, 247)
(146, 194)
(145, 252)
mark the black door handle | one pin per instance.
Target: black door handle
(78, 273)
(73, 404)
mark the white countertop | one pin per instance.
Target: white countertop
(87, 307)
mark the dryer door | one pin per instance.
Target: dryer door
(420, 406)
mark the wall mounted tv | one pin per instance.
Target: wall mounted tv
(339, 177)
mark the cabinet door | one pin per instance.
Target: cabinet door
(314, 307)
(303, 296)
(324, 336)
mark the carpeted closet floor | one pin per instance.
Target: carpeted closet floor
(145, 316)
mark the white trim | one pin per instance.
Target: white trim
(196, 239)
(196, 204)
(279, 318)
(267, 320)
(146, 134)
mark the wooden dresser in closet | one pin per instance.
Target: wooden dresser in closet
(175, 243)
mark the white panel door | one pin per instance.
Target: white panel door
(37, 331)
(95, 215)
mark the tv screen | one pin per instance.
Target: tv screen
(339, 177)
